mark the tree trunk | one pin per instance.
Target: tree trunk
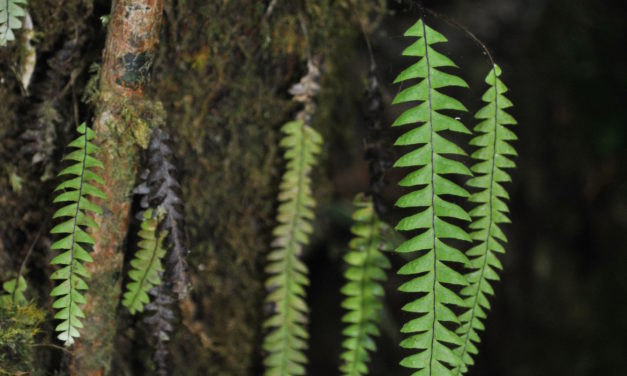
(121, 125)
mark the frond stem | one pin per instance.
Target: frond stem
(435, 279)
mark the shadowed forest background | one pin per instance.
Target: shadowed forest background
(222, 73)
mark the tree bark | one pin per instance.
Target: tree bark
(122, 122)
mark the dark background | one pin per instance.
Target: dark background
(561, 306)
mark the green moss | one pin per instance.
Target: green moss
(18, 327)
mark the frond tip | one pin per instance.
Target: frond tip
(492, 159)
(363, 290)
(146, 265)
(75, 192)
(287, 338)
(432, 275)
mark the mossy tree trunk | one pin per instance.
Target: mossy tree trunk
(122, 122)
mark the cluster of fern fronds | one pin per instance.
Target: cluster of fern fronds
(154, 286)
(454, 232)
(442, 341)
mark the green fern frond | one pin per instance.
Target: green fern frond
(363, 290)
(492, 159)
(14, 292)
(146, 266)
(10, 13)
(75, 192)
(433, 276)
(287, 337)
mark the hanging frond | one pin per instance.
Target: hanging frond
(13, 292)
(74, 192)
(433, 277)
(286, 340)
(146, 265)
(11, 12)
(161, 190)
(377, 149)
(160, 323)
(493, 157)
(363, 290)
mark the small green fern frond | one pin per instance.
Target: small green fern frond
(493, 157)
(10, 13)
(146, 265)
(363, 290)
(287, 337)
(75, 192)
(433, 276)
(14, 292)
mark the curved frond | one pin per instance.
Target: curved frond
(146, 265)
(11, 12)
(14, 292)
(363, 290)
(75, 216)
(493, 157)
(433, 278)
(287, 337)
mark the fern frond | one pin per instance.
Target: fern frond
(363, 290)
(76, 220)
(14, 292)
(492, 159)
(10, 13)
(146, 265)
(161, 190)
(433, 276)
(287, 337)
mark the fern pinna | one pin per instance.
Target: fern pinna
(287, 339)
(492, 159)
(433, 277)
(146, 265)
(365, 273)
(10, 13)
(76, 213)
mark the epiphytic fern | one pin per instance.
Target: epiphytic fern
(10, 13)
(160, 190)
(363, 290)
(75, 192)
(492, 158)
(13, 292)
(146, 265)
(287, 339)
(433, 276)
